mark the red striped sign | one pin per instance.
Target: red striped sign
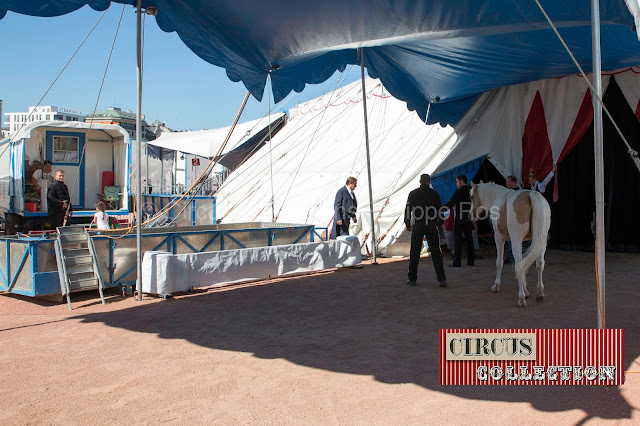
(562, 357)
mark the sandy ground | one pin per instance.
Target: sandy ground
(354, 346)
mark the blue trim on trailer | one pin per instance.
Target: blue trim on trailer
(43, 283)
(211, 241)
(46, 283)
(119, 281)
(24, 178)
(8, 252)
(33, 248)
(302, 236)
(20, 266)
(112, 266)
(80, 163)
(179, 237)
(234, 240)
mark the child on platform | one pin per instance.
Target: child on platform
(100, 218)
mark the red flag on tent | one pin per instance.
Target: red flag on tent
(536, 148)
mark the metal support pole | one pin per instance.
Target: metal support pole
(366, 137)
(599, 162)
(147, 152)
(139, 148)
(161, 171)
(174, 173)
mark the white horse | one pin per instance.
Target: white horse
(516, 216)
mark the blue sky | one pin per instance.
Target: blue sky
(179, 88)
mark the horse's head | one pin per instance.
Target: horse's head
(476, 203)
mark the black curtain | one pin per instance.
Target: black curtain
(572, 215)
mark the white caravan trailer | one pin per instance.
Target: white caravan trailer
(91, 155)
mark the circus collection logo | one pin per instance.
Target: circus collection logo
(531, 357)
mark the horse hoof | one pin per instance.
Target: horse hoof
(495, 289)
(522, 303)
(540, 299)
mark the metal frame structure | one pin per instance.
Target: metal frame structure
(23, 274)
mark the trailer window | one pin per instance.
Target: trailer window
(66, 149)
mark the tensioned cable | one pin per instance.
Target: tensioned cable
(95, 108)
(633, 153)
(392, 191)
(306, 152)
(211, 164)
(393, 188)
(253, 188)
(241, 183)
(206, 171)
(239, 173)
(273, 207)
(258, 145)
(382, 237)
(202, 182)
(323, 124)
(55, 80)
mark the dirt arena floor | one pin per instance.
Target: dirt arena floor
(354, 346)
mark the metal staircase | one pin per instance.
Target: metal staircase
(77, 263)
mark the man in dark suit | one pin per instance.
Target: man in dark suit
(344, 207)
(58, 201)
(422, 217)
(462, 225)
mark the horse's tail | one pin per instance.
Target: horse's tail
(540, 222)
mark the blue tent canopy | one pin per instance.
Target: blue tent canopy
(440, 51)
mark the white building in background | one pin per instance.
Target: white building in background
(15, 120)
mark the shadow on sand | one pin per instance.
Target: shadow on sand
(368, 322)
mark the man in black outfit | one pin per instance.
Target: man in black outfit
(421, 217)
(462, 225)
(58, 201)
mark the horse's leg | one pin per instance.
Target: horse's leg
(516, 248)
(540, 268)
(499, 261)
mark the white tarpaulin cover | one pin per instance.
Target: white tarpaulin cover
(165, 273)
(206, 143)
(321, 145)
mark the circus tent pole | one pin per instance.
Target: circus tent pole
(599, 162)
(139, 148)
(366, 135)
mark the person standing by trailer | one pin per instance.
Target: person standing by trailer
(41, 175)
(58, 201)
(344, 208)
